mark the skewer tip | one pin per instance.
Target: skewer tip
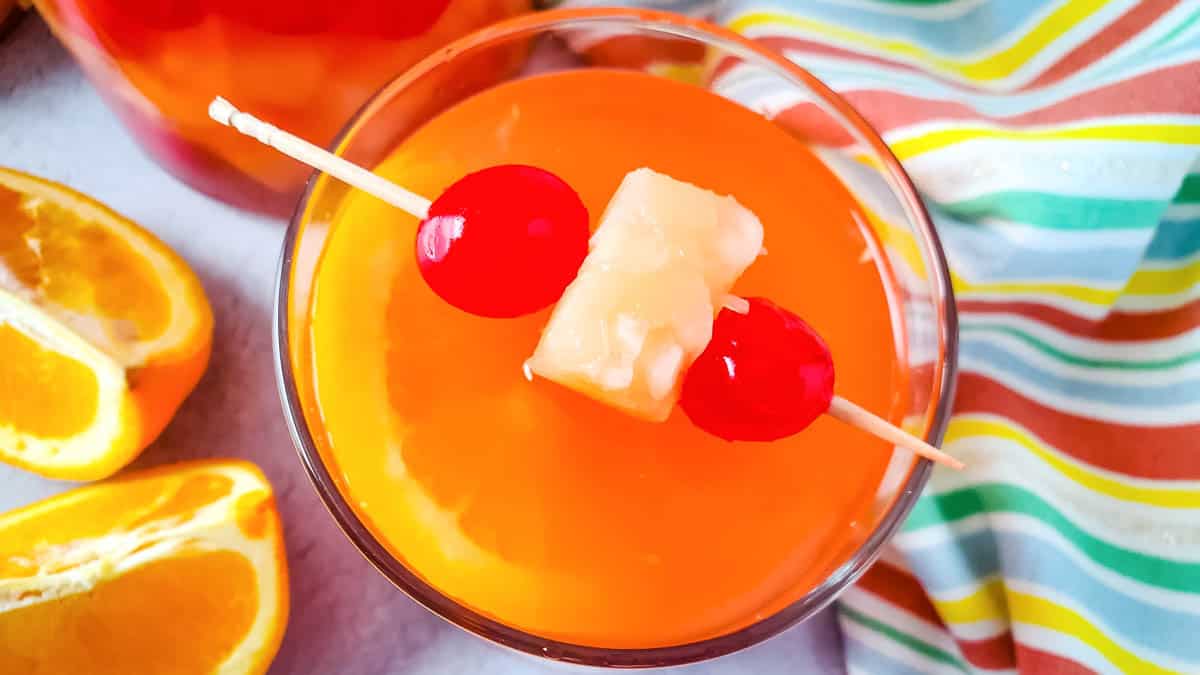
(854, 415)
(222, 111)
(736, 304)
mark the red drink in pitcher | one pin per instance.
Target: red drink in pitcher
(306, 64)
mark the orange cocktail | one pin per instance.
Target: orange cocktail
(536, 506)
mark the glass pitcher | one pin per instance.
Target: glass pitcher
(306, 65)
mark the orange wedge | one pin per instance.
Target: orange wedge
(179, 570)
(103, 331)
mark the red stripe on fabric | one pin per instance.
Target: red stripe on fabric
(1137, 19)
(1157, 92)
(814, 125)
(995, 653)
(1162, 453)
(903, 590)
(1161, 91)
(1103, 43)
(1116, 327)
(900, 589)
(635, 51)
(1038, 662)
(792, 44)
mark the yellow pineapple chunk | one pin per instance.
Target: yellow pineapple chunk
(641, 309)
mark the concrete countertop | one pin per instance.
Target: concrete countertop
(346, 618)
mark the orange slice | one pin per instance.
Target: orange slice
(104, 332)
(179, 569)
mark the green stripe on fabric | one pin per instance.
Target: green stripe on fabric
(1189, 192)
(1147, 52)
(925, 649)
(1179, 29)
(1060, 212)
(933, 510)
(1066, 357)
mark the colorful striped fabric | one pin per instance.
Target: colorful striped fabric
(1057, 145)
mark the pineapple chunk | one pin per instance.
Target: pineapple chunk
(641, 309)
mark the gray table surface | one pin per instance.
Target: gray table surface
(346, 618)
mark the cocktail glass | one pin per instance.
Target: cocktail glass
(908, 252)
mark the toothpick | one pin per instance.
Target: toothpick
(736, 303)
(299, 149)
(856, 416)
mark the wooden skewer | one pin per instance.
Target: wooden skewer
(301, 150)
(856, 416)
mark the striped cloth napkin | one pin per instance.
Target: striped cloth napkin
(1057, 145)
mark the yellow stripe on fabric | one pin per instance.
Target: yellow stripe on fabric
(866, 160)
(1038, 611)
(987, 603)
(993, 67)
(963, 427)
(1164, 281)
(687, 73)
(1173, 134)
(1086, 294)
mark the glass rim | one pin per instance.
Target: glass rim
(456, 613)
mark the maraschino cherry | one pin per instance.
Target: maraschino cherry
(765, 374)
(504, 241)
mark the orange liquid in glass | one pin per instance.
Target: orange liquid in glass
(305, 65)
(535, 505)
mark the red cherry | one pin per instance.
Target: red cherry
(765, 375)
(504, 241)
